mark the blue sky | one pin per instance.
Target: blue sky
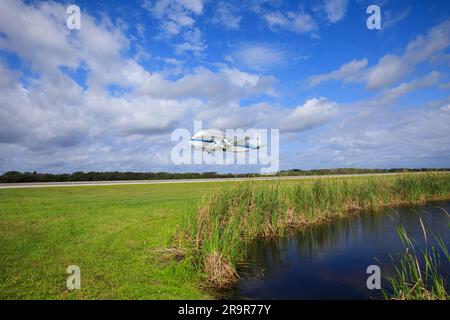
(108, 96)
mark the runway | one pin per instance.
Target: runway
(133, 182)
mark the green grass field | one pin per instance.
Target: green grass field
(111, 232)
(115, 233)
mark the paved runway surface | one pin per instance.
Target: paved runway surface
(112, 183)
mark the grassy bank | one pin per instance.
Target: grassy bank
(113, 233)
(119, 235)
(217, 234)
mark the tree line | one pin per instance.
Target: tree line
(17, 177)
(318, 172)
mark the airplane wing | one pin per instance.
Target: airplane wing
(244, 142)
(236, 141)
(210, 148)
(220, 143)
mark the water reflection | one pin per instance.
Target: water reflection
(329, 261)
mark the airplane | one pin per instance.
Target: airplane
(210, 140)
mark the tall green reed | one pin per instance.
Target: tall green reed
(417, 274)
(227, 219)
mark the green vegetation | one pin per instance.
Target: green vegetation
(417, 275)
(320, 172)
(163, 241)
(15, 176)
(227, 219)
(114, 233)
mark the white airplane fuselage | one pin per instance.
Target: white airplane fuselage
(210, 141)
